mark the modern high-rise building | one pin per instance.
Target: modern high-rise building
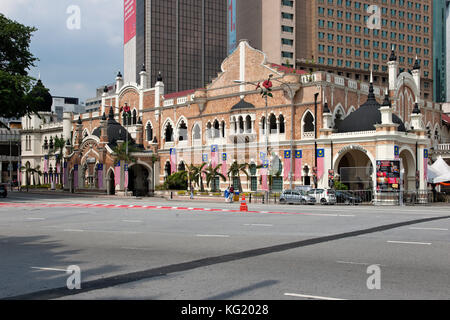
(447, 27)
(184, 40)
(440, 12)
(344, 37)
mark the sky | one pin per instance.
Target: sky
(79, 43)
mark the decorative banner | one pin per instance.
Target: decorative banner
(224, 164)
(75, 176)
(320, 163)
(45, 164)
(117, 175)
(125, 183)
(287, 164)
(263, 172)
(129, 20)
(425, 165)
(173, 160)
(66, 174)
(205, 157)
(58, 171)
(396, 152)
(214, 155)
(262, 156)
(100, 176)
(298, 164)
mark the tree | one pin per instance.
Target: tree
(211, 174)
(235, 171)
(30, 172)
(20, 95)
(120, 153)
(196, 175)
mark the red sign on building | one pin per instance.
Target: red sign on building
(129, 20)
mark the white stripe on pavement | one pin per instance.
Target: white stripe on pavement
(213, 235)
(48, 269)
(258, 225)
(410, 242)
(310, 297)
(434, 229)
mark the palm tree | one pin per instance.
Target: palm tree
(235, 171)
(59, 144)
(191, 173)
(196, 175)
(211, 174)
(31, 171)
(120, 153)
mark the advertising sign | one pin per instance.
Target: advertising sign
(232, 43)
(388, 175)
(129, 20)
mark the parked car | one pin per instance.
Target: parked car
(296, 197)
(323, 196)
(3, 191)
(347, 198)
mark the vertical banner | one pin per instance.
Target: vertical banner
(320, 163)
(66, 174)
(214, 155)
(287, 164)
(75, 176)
(129, 20)
(425, 166)
(125, 182)
(117, 175)
(396, 152)
(224, 164)
(100, 176)
(173, 160)
(298, 164)
(263, 172)
(58, 171)
(204, 160)
(19, 176)
(232, 37)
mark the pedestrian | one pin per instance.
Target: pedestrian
(226, 194)
(231, 194)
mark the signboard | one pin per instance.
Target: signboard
(232, 43)
(388, 175)
(129, 20)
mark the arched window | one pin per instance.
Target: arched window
(182, 131)
(248, 124)
(168, 135)
(216, 129)
(197, 132)
(209, 130)
(223, 129)
(149, 131)
(273, 124)
(241, 124)
(282, 126)
(134, 119)
(263, 125)
(308, 123)
(168, 169)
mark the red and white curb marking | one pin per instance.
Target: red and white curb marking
(113, 206)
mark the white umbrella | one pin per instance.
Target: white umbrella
(439, 171)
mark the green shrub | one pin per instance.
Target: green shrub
(177, 181)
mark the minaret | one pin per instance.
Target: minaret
(159, 92)
(144, 77)
(104, 94)
(393, 69)
(416, 74)
(119, 82)
(386, 110)
(416, 117)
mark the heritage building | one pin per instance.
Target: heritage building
(313, 123)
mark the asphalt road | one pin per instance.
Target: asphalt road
(300, 252)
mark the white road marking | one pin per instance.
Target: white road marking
(73, 230)
(434, 229)
(48, 269)
(213, 235)
(410, 242)
(135, 248)
(132, 221)
(310, 297)
(35, 218)
(258, 225)
(360, 263)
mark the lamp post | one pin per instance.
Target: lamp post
(316, 95)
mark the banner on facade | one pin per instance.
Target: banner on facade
(75, 176)
(287, 164)
(320, 163)
(298, 164)
(425, 164)
(173, 160)
(224, 164)
(117, 175)
(58, 171)
(264, 171)
(388, 175)
(214, 155)
(125, 182)
(100, 176)
(396, 152)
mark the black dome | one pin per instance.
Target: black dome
(243, 105)
(366, 117)
(115, 132)
(43, 98)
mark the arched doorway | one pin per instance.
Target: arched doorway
(138, 180)
(111, 183)
(409, 165)
(355, 170)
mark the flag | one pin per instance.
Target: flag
(66, 174)
(100, 176)
(75, 176)
(287, 164)
(425, 165)
(117, 175)
(224, 164)
(263, 172)
(173, 160)
(204, 160)
(125, 183)
(214, 156)
(396, 152)
(320, 163)
(298, 164)
(58, 171)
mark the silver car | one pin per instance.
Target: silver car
(296, 197)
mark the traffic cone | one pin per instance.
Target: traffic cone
(244, 207)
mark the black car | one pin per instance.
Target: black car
(3, 191)
(347, 198)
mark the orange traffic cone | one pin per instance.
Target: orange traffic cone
(244, 207)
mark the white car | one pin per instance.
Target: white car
(323, 196)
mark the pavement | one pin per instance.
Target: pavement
(157, 249)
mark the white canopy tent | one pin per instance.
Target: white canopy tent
(439, 171)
